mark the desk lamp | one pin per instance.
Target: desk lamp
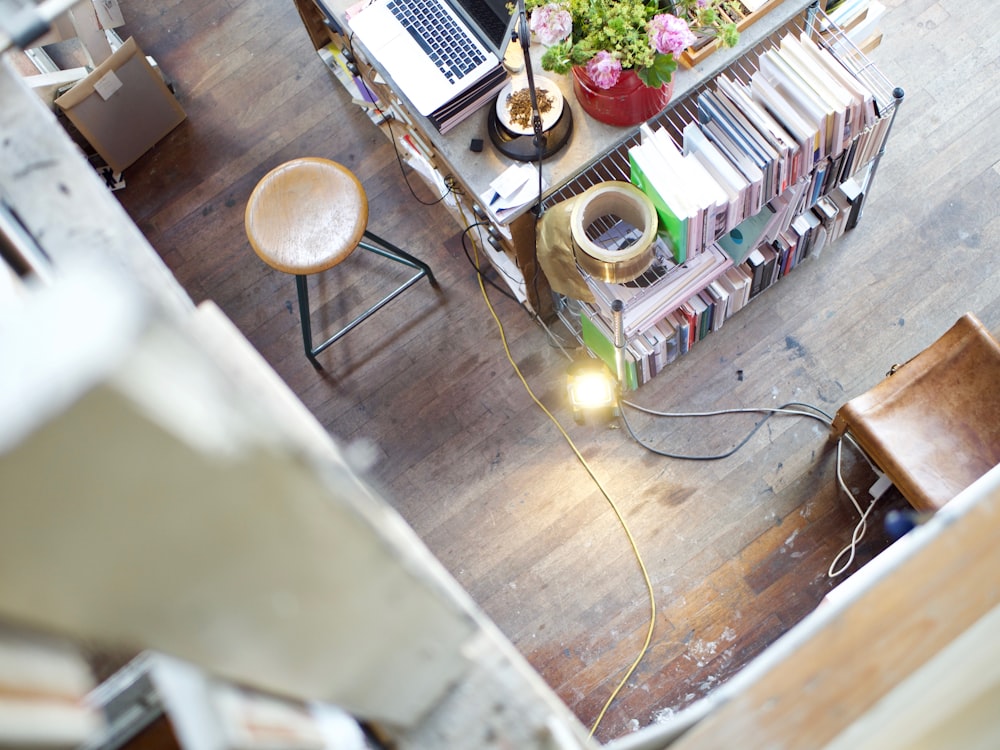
(541, 143)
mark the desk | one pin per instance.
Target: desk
(588, 145)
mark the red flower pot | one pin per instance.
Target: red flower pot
(628, 102)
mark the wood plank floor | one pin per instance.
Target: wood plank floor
(737, 550)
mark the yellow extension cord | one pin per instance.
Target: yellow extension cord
(586, 466)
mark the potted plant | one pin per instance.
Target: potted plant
(622, 53)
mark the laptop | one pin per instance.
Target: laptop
(435, 49)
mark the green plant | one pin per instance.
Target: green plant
(608, 36)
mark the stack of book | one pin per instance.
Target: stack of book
(469, 101)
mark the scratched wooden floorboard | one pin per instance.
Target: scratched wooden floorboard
(737, 550)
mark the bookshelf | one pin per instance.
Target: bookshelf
(715, 282)
(596, 152)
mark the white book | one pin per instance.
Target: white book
(674, 159)
(834, 116)
(718, 134)
(787, 82)
(773, 131)
(720, 294)
(863, 95)
(804, 132)
(728, 176)
(740, 279)
(666, 182)
(826, 85)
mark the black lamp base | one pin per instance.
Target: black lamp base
(522, 147)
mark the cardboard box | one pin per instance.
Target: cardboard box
(123, 107)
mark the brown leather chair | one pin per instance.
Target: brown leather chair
(933, 424)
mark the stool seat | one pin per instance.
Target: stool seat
(306, 215)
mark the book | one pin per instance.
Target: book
(469, 101)
(771, 268)
(774, 69)
(767, 157)
(733, 183)
(644, 306)
(862, 93)
(803, 226)
(703, 196)
(709, 196)
(683, 332)
(724, 139)
(806, 134)
(742, 240)
(779, 139)
(703, 315)
(755, 265)
(649, 172)
(740, 279)
(44, 686)
(720, 300)
(669, 333)
(855, 195)
(847, 109)
(690, 318)
(714, 111)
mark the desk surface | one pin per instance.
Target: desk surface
(590, 139)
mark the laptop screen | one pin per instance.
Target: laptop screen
(493, 21)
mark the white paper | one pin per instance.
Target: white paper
(107, 85)
(109, 15)
(515, 187)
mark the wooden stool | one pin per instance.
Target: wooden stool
(306, 216)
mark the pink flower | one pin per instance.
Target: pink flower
(550, 24)
(604, 70)
(669, 34)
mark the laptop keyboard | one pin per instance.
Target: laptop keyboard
(445, 42)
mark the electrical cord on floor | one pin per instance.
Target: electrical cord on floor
(621, 519)
(474, 262)
(769, 411)
(816, 413)
(556, 341)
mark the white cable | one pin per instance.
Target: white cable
(859, 529)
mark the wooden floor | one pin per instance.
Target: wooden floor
(737, 551)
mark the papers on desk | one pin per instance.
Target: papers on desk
(517, 186)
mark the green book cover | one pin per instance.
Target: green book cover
(598, 342)
(673, 229)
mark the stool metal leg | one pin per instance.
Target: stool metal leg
(384, 249)
(390, 251)
(302, 287)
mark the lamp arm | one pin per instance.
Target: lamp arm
(524, 37)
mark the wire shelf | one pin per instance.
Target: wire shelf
(812, 22)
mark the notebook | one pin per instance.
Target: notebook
(434, 49)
